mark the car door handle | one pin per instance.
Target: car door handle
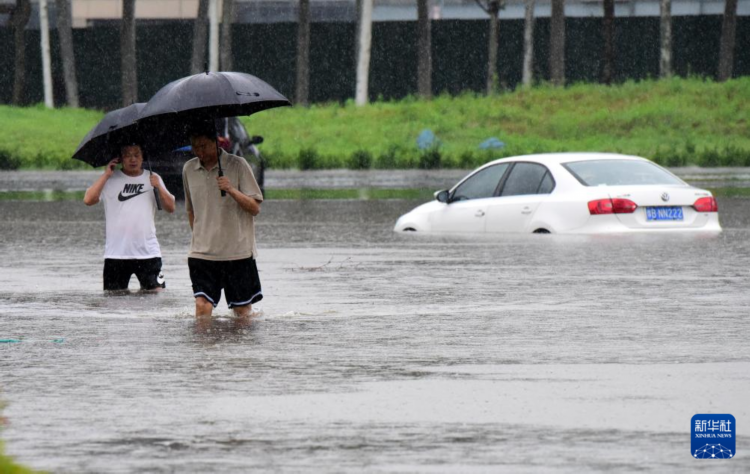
(526, 211)
(479, 213)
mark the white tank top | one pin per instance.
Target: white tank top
(129, 208)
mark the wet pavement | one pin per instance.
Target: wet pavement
(374, 351)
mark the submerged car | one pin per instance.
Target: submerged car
(587, 193)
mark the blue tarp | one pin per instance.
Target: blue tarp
(491, 144)
(427, 140)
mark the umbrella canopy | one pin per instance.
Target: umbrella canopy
(205, 97)
(212, 95)
(102, 142)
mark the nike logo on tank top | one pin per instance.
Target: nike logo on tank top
(129, 191)
(129, 207)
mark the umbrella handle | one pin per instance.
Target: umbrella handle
(156, 191)
(218, 157)
(221, 173)
(158, 199)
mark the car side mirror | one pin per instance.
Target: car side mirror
(443, 196)
(256, 140)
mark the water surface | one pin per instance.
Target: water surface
(375, 351)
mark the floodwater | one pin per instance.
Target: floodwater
(374, 351)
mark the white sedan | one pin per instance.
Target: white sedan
(582, 193)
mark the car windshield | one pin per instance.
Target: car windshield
(619, 172)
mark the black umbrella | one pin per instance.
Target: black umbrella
(104, 140)
(207, 96)
(117, 128)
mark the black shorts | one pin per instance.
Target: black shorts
(238, 278)
(117, 273)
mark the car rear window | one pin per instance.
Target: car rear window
(619, 172)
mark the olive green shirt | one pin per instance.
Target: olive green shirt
(222, 230)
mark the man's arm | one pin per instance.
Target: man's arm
(188, 199)
(247, 203)
(167, 200)
(94, 192)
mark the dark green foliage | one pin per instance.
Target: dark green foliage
(675, 158)
(467, 160)
(389, 159)
(308, 159)
(710, 158)
(8, 161)
(360, 160)
(430, 159)
(735, 156)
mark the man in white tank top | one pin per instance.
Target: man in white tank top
(129, 207)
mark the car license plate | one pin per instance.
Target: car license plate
(664, 213)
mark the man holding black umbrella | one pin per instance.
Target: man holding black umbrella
(222, 250)
(129, 208)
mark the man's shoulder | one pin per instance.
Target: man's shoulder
(115, 179)
(228, 157)
(190, 164)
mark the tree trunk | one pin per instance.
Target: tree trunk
(49, 99)
(726, 53)
(492, 79)
(303, 53)
(608, 32)
(67, 54)
(200, 28)
(358, 29)
(213, 35)
(424, 46)
(19, 19)
(665, 42)
(363, 53)
(557, 43)
(127, 53)
(227, 63)
(528, 45)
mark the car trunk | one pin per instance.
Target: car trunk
(661, 207)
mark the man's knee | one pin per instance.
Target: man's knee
(203, 307)
(243, 311)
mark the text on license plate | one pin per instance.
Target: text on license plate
(664, 213)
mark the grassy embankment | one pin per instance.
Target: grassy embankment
(675, 122)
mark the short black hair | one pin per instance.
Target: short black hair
(202, 129)
(127, 144)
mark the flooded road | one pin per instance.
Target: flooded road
(375, 351)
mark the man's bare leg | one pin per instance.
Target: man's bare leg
(203, 307)
(243, 311)
(152, 290)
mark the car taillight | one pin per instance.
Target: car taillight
(623, 206)
(600, 206)
(612, 206)
(706, 204)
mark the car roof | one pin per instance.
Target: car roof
(559, 158)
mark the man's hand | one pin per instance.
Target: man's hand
(246, 202)
(110, 169)
(225, 184)
(154, 179)
(94, 192)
